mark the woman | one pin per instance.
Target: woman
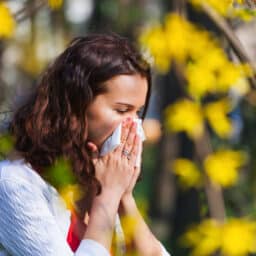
(96, 84)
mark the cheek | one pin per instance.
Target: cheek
(102, 126)
(110, 123)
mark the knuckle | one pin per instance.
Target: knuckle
(129, 144)
(116, 158)
(134, 152)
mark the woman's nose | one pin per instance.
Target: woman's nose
(132, 116)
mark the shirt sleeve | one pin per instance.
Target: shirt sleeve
(92, 248)
(28, 228)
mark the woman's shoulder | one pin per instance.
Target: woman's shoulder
(19, 180)
(18, 170)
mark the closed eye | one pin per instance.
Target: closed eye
(130, 108)
(139, 112)
(122, 111)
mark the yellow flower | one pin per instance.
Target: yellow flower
(200, 80)
(219, 74)
(202, 40)
(71, 194)
(7, 23)
(216, 113)
(185, 115)
(241, 87)
(222, 166)
(205, 238)
(177, 32)
(238, 237)
(214, 58)
(229, 74)
(55, 4)
(154, 40)
(187, 172)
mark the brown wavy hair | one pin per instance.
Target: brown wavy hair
(52, 122)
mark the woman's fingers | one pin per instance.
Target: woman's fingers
(134, 178)
(134, 150)
(125, 130)
(132, 162)
(130, 140)
(126, 126)
(116, 170)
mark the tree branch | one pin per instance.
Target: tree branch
(29, 10)
(235, 43)
(213, 192)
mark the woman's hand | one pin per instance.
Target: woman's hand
(116, 171)
(129, 136)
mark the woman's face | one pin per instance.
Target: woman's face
(125, 97)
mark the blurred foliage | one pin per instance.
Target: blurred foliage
(235, 237)
(60, 174)
(6, 144)
(187, 110)
(71, 194)
(187, 172)
(228, 160)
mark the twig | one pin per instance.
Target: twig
(250, 3)
(28, 10)
(213, 193)
(235, 43)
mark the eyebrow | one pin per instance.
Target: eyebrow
(128, 105)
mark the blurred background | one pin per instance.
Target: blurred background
(198, 190)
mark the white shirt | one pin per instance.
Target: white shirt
(33, 218)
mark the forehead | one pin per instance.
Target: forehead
(127, 88)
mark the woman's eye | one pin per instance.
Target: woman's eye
(121, 111)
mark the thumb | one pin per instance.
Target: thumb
(93, 150)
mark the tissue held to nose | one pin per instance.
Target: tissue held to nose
(115, 139)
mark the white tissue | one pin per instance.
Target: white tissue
(115, 139)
